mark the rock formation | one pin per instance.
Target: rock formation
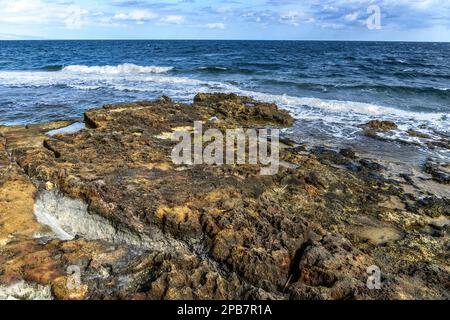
(109, 201)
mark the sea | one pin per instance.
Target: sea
(330, 87)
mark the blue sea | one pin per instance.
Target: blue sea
(330, 87)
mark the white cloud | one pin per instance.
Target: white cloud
(27, 16)
(352, 16)
(136, 15)
(174, 19)
(74, 19)
(218, 25)
(224, 9)
(42, 12)
(295, 18)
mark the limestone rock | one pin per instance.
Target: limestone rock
(202, 231)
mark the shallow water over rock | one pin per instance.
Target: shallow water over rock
(75, 127)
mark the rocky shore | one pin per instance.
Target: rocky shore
(108, 200)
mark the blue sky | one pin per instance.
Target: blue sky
(411, 20)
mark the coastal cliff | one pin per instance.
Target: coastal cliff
(109, 200)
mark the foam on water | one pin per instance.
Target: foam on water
(93, 78)
(121, 68)
(342, 118)
(344, 106)
(337, 118)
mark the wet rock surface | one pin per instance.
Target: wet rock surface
(380, 125)
(439, 171)
(376, 129)
(208, 231)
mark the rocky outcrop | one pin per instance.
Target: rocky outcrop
(167, 231)
(374, 127)
(439, 171)
(380, 125)
(417, 134)
(243, 109)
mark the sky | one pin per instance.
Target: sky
(399, 20)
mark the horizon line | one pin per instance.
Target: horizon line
(274, 40)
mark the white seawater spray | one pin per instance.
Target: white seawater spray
(119, 69)
(339, 106)
(130, 77)
(338, 118)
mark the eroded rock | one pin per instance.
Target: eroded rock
(439, 171)
(139, 226)
(380, 125)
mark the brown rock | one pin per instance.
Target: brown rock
(204, 232)
(374, 127)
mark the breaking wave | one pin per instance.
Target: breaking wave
(56, 67)
(121, 68)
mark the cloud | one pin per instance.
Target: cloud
(136, 15)
(74, 19)
(35, 12)
(145, 15)
(174, 19)
(143, 4)
(351, 16)
(280, 2)
(295, 18)
(402, 14)
(288, 18)
(218, 25)
(12, 36)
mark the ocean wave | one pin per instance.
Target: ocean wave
(299, 85)
(84, 87)
(395, 61)
(217, 70)
(413, 74)
(436, 91)
(121, 68)
(56, 67)
(294, 104)
(213, 68)
(94, 81)
(309, 108)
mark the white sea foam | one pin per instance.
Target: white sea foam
(84, 87)
(333, 112)
(95, 80)
(340, 107)
(213, 68)
(174, 80)
(121, 68)
(341, 119)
